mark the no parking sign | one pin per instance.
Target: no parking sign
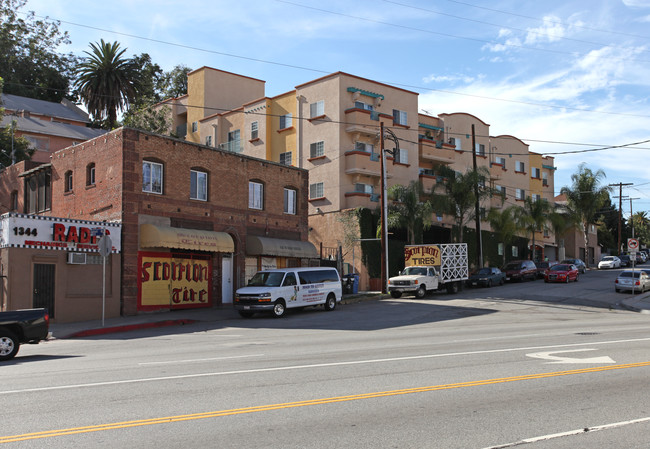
(632, 244)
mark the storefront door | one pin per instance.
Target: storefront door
(44, 287)
(226, 280)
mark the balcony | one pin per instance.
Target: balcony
(429, 152)
(234, 146)
(363, 121)
(360, 199)
(362, 163)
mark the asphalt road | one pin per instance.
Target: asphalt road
(484, 368)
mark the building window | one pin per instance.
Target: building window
(316, 191)
(255, 195)
(400, 117)
(285, 121)
(38, 192)
(535, 173)
(317, 109)
(290, 201)
(456, 142)
(500, 249)
(365, 147)
(520, 167)
(195, 126)
(535, 197)
(501, 190)
(67, 187)
(14, 200)
(254, 130)
(90, 174)
(545, 179)
(480, 149)
(317, 149)
(515, 251)
(234, 141)
(520, 194)
(402, 157)
(208, 141)
(152, 177)
(198, 185)
(362, 105)
(285, 158)
(364, 188)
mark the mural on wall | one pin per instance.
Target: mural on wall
(172, 281)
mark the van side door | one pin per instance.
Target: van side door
(290, 288)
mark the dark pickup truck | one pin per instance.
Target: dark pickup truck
(21, 326)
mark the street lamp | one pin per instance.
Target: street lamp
(384, 205)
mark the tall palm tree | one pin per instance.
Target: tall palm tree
(585, 197)
(504, 224)
(458, 198)
(406, 210)
(107, 82)
(533, 216)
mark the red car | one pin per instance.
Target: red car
(561, 273)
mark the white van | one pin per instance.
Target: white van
(285, 288)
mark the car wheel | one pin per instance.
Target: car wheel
(577, 278)
(421, 292)
(452, 287)
(9, 345)
(501, 281)
(245, 314)
(330, 302)
(279, 308)
(617, 290)
(566, 279)
(395, 294)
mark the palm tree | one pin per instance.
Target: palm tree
(585, 197)
(459, 199)
(504, 224)
(107, 82)
(533, 216)
(406, 210)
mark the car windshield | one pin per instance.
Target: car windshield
(266, 279)
(607, 258)
(484, 271)
(560, 267)
(419, 271)
(512, 266)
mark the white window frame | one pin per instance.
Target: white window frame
(535, 173)
(255, 195)
(195, 126)
(480, 149)
(198, 185)
(536, 197)
(254, 130)
(500, 189)
(316, 190)
(400, 117)
(520, 167)
(317, 109)
(317, 149)
(155, 170)
(290, 201)
(286, 158)
(520, 194)
(286, 121)
(364, 188)
(501, 161)
(403, 156)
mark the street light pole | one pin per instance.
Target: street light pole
(384, 204)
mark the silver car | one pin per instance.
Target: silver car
(634, 280)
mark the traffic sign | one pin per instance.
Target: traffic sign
(632, 244)
(105, 245)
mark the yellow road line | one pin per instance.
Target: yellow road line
(264, 408)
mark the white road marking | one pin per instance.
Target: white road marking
(176, 362)
(570, 433)
(559, 359)
(317, 365)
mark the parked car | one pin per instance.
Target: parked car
(486, 277)
(625, 260)
(542, 267)
(639, 259)
(561, 272)
(518, 270)
(633, 280)
(582, 267)
(609, 262)
(22, 326)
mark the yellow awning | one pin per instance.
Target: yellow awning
(265, 246)
(153, 236)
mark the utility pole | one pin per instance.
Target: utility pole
(620, 210)
(477, 209)
(384, 224)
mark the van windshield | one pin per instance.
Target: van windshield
(266, 279)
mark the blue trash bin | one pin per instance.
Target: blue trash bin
(350, 283)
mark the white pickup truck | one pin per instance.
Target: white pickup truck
(445, 266)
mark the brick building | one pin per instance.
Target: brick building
(196, 222)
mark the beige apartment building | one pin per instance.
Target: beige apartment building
(331, 127)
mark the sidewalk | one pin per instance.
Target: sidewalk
(638, 303)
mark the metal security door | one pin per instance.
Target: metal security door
(44, 287)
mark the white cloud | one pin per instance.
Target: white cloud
(550, 31)
(637, 3)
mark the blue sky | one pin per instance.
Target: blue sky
(566, 77)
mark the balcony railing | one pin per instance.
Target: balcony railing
(234, 146)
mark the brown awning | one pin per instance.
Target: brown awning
(153, 236)
(265, 246)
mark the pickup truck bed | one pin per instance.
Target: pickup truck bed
(21, 326)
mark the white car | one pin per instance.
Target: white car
(609, 262)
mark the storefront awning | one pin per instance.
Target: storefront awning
(153, 236)
(265, 246)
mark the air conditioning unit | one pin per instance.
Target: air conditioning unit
(77, 258)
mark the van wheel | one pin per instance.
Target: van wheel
(245, 314)
(9, 344)
(421, 292)
(330, 302)
(395, 294)
(279, 308)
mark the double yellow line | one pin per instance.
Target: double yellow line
(265, 408)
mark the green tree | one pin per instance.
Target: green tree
(641, 224)
(10, 144)
(406, 210)
(174, 83)
(458, 198)
(585, 197)
(533, 217)
(504, 224)
(107, 82)
(28, 61)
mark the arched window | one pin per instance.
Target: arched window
(68, 181)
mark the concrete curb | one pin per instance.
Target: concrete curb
(126, 328)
